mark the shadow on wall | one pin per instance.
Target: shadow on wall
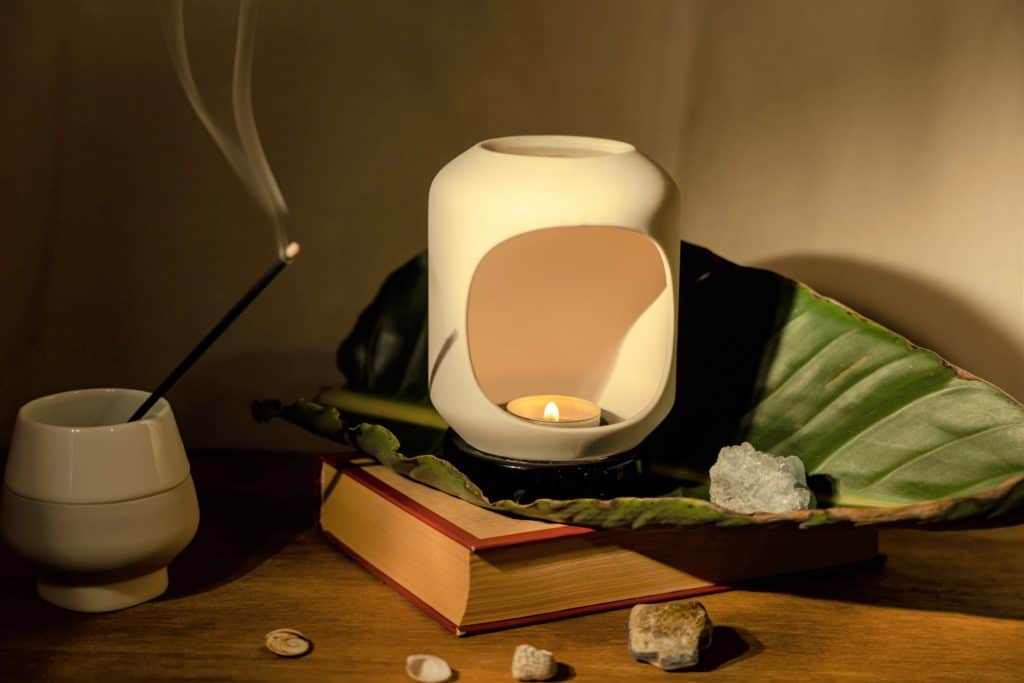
(212, 402)
(928, 314)
(721, 356)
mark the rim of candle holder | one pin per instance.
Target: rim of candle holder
(524, 481)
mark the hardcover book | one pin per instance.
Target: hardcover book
(474, 570)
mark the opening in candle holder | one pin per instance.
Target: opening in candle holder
(548, 309)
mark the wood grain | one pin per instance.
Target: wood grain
(948, 606)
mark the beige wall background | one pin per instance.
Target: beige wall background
(873, 149)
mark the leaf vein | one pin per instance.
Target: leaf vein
(996, 480)
(797, 370)
(938, 449)
(835, 399)
(871, 427)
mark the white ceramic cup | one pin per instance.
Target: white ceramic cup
(99, 505)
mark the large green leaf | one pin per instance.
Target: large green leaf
(386, 351)
(890, 432)
(889, 423)
(997, 505)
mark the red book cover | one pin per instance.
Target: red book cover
(701, 560)
(465, 537)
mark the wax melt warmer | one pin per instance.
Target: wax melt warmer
(553, 271)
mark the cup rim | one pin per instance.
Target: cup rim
(161, 409)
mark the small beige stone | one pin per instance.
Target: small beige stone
(669, 635)
(427, 668)
(532, 664)
(287, 642)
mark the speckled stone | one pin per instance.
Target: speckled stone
(669, 635)
(532, 664)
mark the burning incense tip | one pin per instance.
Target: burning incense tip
(291, 251)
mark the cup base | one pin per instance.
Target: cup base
(105, 597)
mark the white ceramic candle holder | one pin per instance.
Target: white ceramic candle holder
(99, 505)
(553, 265)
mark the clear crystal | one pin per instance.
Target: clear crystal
(746, 480)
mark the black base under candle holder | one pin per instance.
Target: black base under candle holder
(524, 481)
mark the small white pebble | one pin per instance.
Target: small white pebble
(427, 668)
(532, 664)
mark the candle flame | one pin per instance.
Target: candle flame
(551, 412)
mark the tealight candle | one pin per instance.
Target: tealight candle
(556, 411)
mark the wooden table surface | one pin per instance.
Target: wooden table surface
(947, 607)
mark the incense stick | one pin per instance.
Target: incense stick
(273, 271)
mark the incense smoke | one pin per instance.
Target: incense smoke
(246, 157)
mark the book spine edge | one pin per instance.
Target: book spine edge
(402, 590)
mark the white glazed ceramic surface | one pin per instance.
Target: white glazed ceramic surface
(561, 197)
(105, 556)
(76, 447)
(100, 506)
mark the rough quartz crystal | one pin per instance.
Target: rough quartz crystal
(669, 635)
(532, 664)
(746, 480)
